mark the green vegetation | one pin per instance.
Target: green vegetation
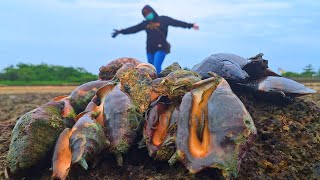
(308, 74)
(44, 74)
(308, 71)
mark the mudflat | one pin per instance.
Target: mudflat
(286, 146)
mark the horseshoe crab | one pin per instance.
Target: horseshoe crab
(258, 77)
(258, 68)
(228, 66)
(274, 85)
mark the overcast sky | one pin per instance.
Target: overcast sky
(78, 32)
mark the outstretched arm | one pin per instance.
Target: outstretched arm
(134, 29)
(177, 23)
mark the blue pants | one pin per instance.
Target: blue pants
(156, 59)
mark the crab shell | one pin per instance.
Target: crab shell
(214, 128)
(82, 95)
(228, 66)
(159, 131)
(122, 122)
(280, 85)
(34, 136)
(107, 72)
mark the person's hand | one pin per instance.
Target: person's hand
(115, 33)
(195, 27)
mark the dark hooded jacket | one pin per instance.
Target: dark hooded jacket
(157, 30)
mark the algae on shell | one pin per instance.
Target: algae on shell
(34, 136)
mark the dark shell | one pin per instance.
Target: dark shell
(82, 95)
(285, 86)
(257, 68)
(87, 139)
(107, 72)
(228, 66)
(173, 67)
(123, 121)
(224, 126)
(34, 136)
(175, 84)
(160, 131)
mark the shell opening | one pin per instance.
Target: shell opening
(199, 146)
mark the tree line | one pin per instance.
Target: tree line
(308, 72)
(23, 72)
(45, 72)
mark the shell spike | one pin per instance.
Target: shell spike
(83, 163)
(59, 98)
(103, 91)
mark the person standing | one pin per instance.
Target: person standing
(156, 28)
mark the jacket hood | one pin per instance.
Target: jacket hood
(149, 8)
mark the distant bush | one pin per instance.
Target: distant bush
(308, 72)
(49, 73)
(308, 75)
(291, 74)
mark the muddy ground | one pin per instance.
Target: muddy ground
(287, 146)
